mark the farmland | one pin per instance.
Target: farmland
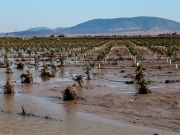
(109, 88)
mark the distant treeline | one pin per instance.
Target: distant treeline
(160, 36)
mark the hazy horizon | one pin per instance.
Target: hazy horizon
(23, 14)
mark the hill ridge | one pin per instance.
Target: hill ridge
(125, 25)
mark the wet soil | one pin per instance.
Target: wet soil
(105, 104)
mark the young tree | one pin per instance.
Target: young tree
(27, 78)
(8, 88)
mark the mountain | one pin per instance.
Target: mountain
(38, 28)
(122, 26)
(40, 33)
(59, 28)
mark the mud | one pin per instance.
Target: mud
(105, 104)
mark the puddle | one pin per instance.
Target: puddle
(53, 99)
(129, 92)
(38, 79)
(63, 79)
(65, 119)
(116, 84)
(156, 87)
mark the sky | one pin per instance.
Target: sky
(18, 15)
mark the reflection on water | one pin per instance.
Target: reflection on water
(44, 78)
(63, 73)
(71, 108)
(9, 100)
(88, 82)
(36, 67)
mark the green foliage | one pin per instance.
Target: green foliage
(92, 64)
(79, 77)
(160, 46)
(132, 50)
(106, 51)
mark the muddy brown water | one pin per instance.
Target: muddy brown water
(65, 119)
(51, 115)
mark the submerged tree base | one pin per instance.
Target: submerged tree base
(27, 78)
(70, 94)
(20, 66)
(8, 70)
(8, 88)
(47, 74)
(144, 90)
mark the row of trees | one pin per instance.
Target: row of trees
(166, 47)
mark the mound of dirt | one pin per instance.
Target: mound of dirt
(70, 94)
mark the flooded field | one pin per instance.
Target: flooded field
(107, 103)
(47, 117)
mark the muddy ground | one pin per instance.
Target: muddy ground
(106, 94)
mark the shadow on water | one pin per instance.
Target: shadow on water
(36, 67)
